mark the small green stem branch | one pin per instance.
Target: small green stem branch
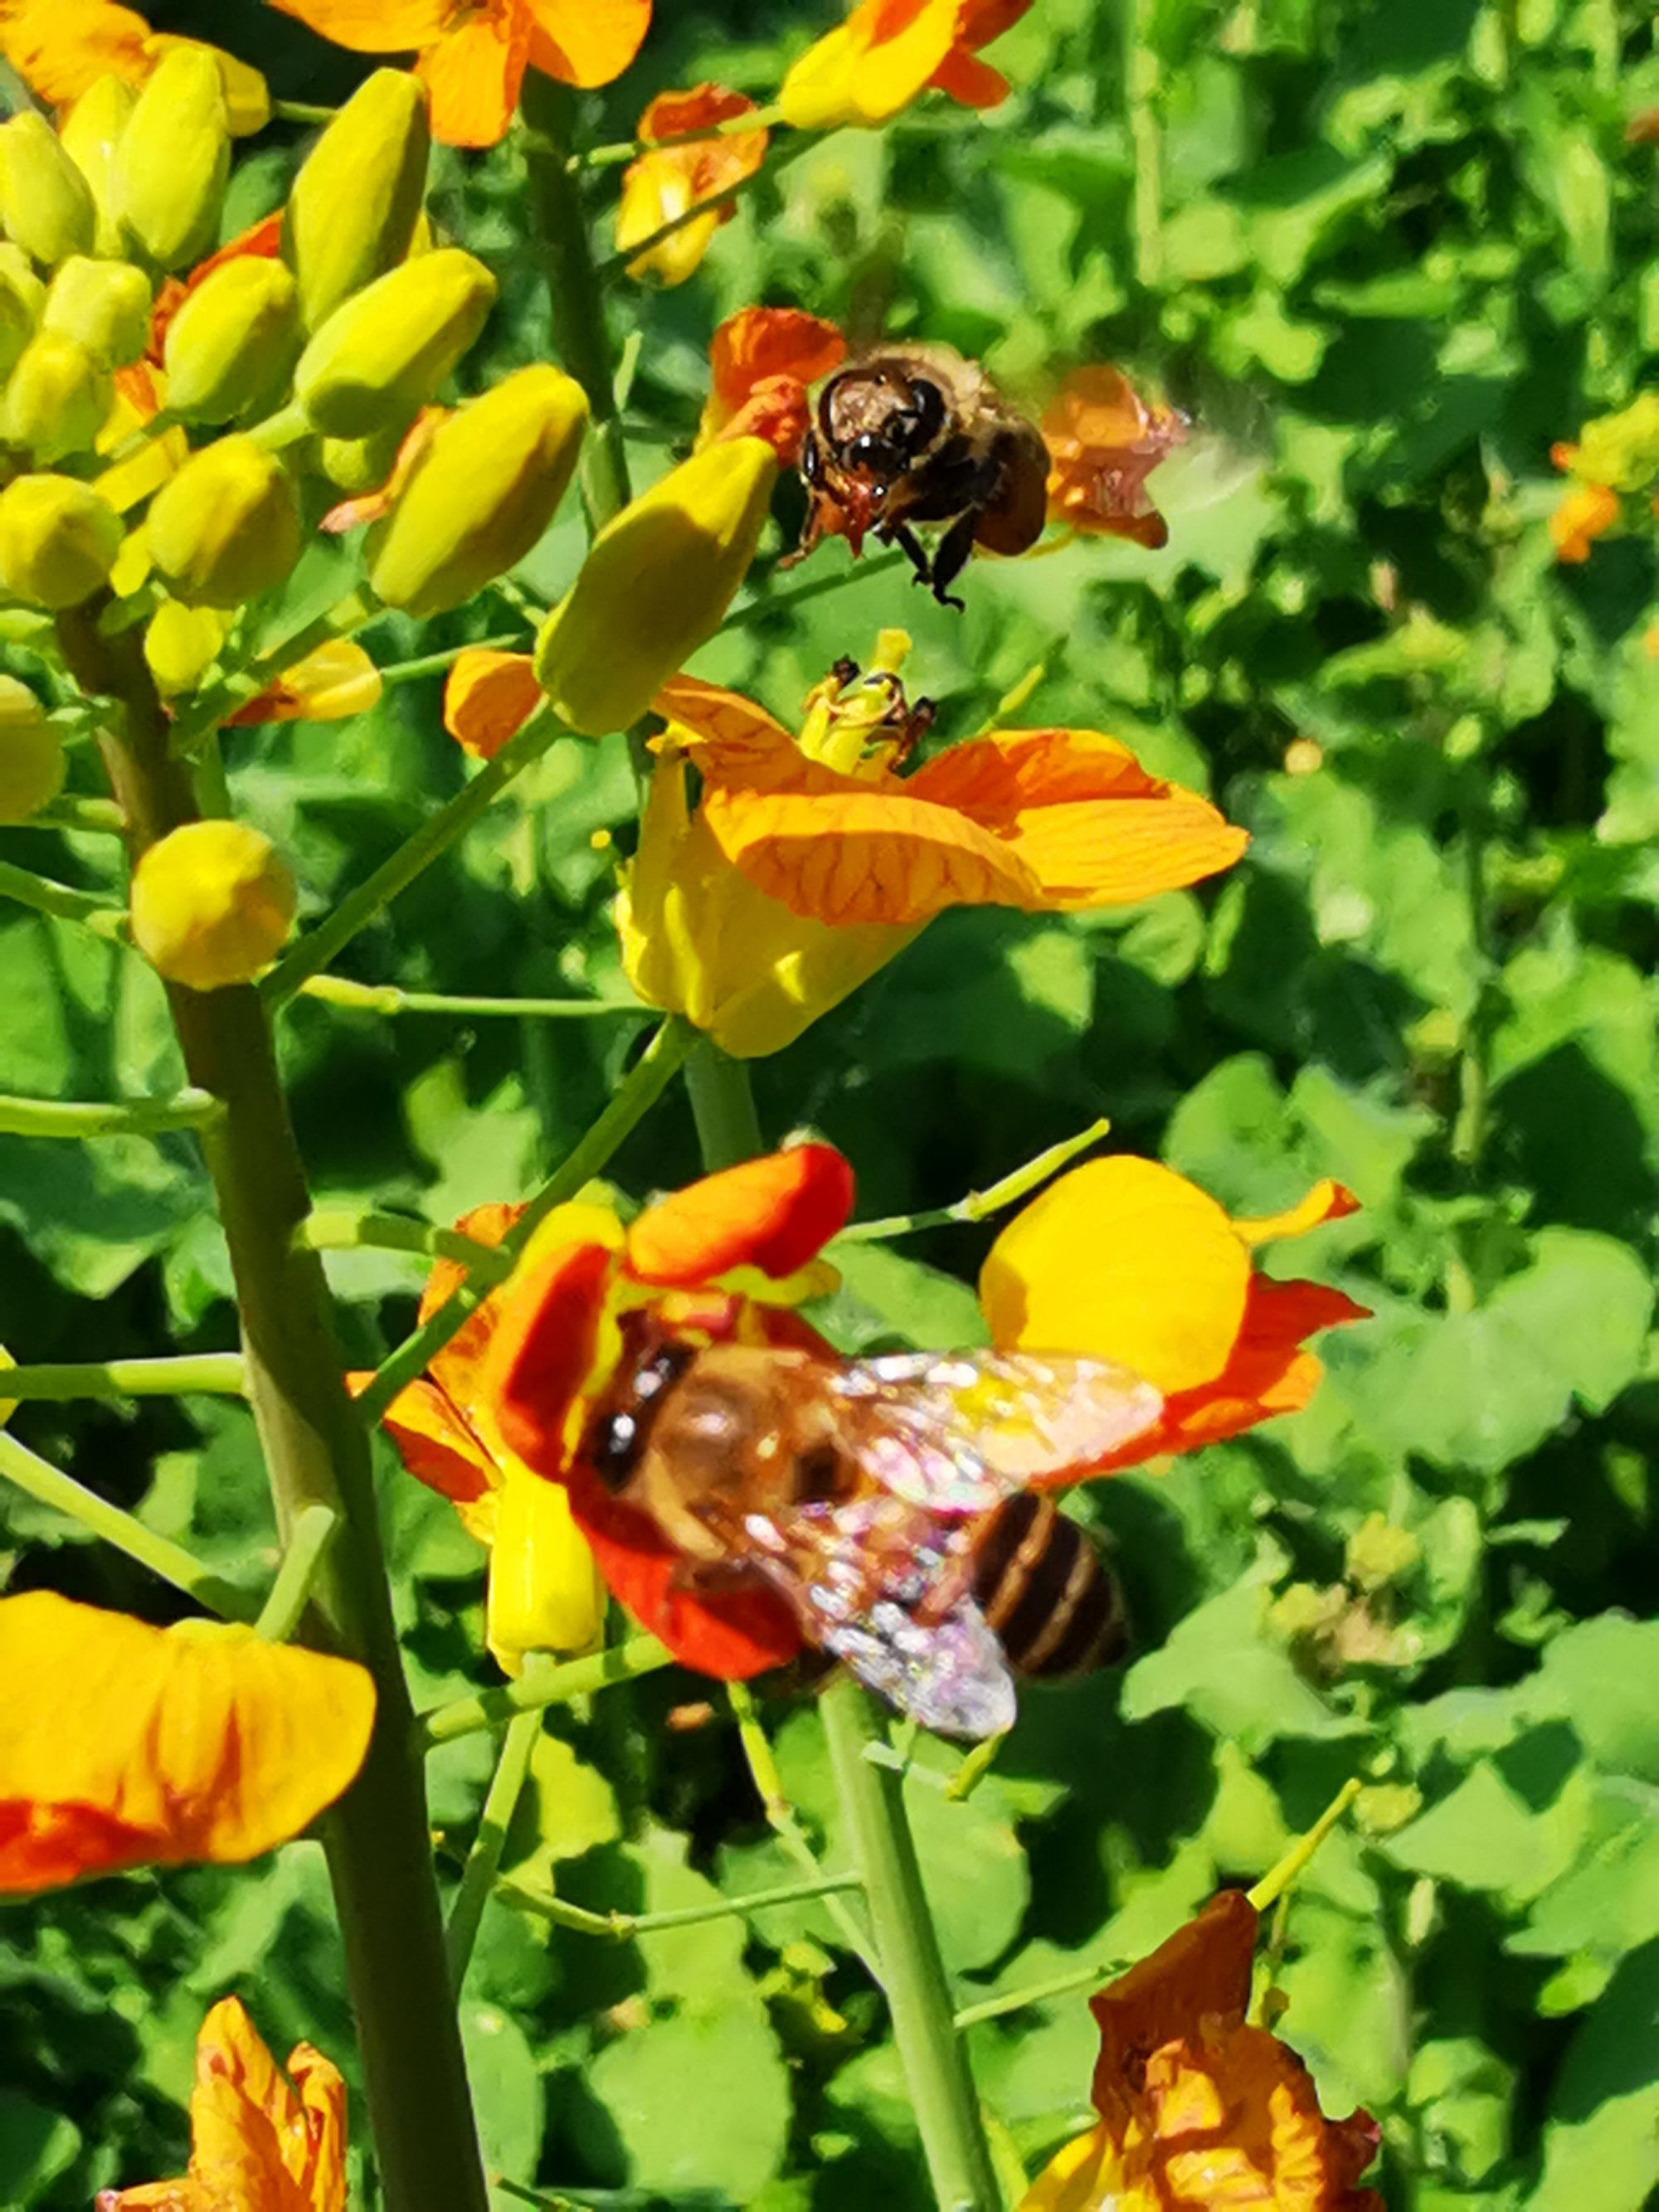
(301, 111)
(434, 664)
(377, 1837)
(912, 1973)
(49, 1485)
(629, 149)
(333, 1229)
(1062, 1985)
(302, 1562)
(398, 870)
(780, 1818)
(217, 1374)
(624, 1927)
(533, 1694)
(617, 265)
(755, 609)
(722, 1106)
(390, 999)
(1468, 1136)
(98, 914)
(96, 817)
(642, 1087)
(210, 709)
(574, 289)
(484, 1861)
(127, 1117)
(980, 1204)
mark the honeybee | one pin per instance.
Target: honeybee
(884, 1498)
(916, 434)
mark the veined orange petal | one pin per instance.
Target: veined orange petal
(998, 779)
(731, 732)
(458, 1366)
(473, 74)
(586, 42)
(1326, 1201)
(775, 1213)
(124, 1744)
(488, 697)
(758, 343)
(323, 2110)
(374, 26)
(335, 681)
(1124, 1260)
(60, 48)
(436, 1441)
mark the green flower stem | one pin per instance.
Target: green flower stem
(979, 1204)
(96, 817)
(337, 1229)
(302, 1562)
(50, 1485)
(377, 1837)
(639, 1091)
(484, 1861)
(617, 265)
(132, 1117)
(574, 289)
(434, 664)
(101, 915)
(313, 952)
(220, 1374)
(1062, 1985)
(301, 111)
(765, 603)
(913, 1973)
(556, 1686)
(389, 999)
(723, 1107)
(624, 1927)
(629, 149)
(780, 1818)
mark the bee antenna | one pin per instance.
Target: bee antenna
(845, 671)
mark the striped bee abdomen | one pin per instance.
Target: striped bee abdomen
(1045, 1590)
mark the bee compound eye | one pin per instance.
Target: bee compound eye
(613, 1448)
(927, 409)
(811, 461)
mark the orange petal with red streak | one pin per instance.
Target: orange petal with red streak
(774, 1213)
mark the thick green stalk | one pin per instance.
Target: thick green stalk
(316, 1454)
(913, 1973)
(573, 293)
(723, 1107)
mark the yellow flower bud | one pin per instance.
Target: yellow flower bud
(56, 399)
(181, 644)
(105, 305)
(211, 904)
(227, 528)
(90, 135)
(545, 1593)
(655, 586)
(481, 494)
(360, 465)
(173, 160)
(230, 348)
(247, 96)
(353, 206)
(44, 204)
(23, 303)
(1621, 450)
(58, 540)
(31, 762)
(383, 355)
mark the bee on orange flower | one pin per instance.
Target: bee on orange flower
(917, 434)
(887, 1499)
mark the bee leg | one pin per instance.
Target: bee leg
(951, 558)
(915, 552)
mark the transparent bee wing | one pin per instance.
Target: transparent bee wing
(960, 1431)
(949, 1674)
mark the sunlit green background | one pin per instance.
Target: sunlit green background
(1384, 253)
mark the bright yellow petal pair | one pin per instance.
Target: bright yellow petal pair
(886, 55)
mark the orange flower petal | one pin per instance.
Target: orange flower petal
(1326, 1201)
(374, 27)
(661, 186)
(1585, 513)
(778, 411)
(60, 48)
(758, 343)
(1103, 441)
(435, 1440)
(1204, 1968)
(123, 1745)
(774, 1213)
(732, 732)
(971, 81)
(473, 74)
(586, 42)
(487, 698)
(542, 1349)
(459, 1366)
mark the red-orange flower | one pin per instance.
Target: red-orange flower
(1197, 2108)
(487, 696)
(1122, 1259)
(761, 364)
(889, 52)
(545, 1592)
(123, 1745)
(261, 2139)
(664, 183)
(472, 54)
(1103, 441)
(722, 1261)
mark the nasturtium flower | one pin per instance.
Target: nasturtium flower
(123, 1745)
(333, 682)
(889, 52)
(545, 1593)
(489, 694)
(1122, 1259)
(472, 54)
(1196, 2106)
(1103, 441)
(263, 2138)
(727, 1258)
(60, 48)
(667, 180)
(761, 364)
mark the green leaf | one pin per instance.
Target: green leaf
(1601, 2136)
(36, 2147)
(697, 2101)
(506, 2090)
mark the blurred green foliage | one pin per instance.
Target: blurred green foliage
(1385, 251)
